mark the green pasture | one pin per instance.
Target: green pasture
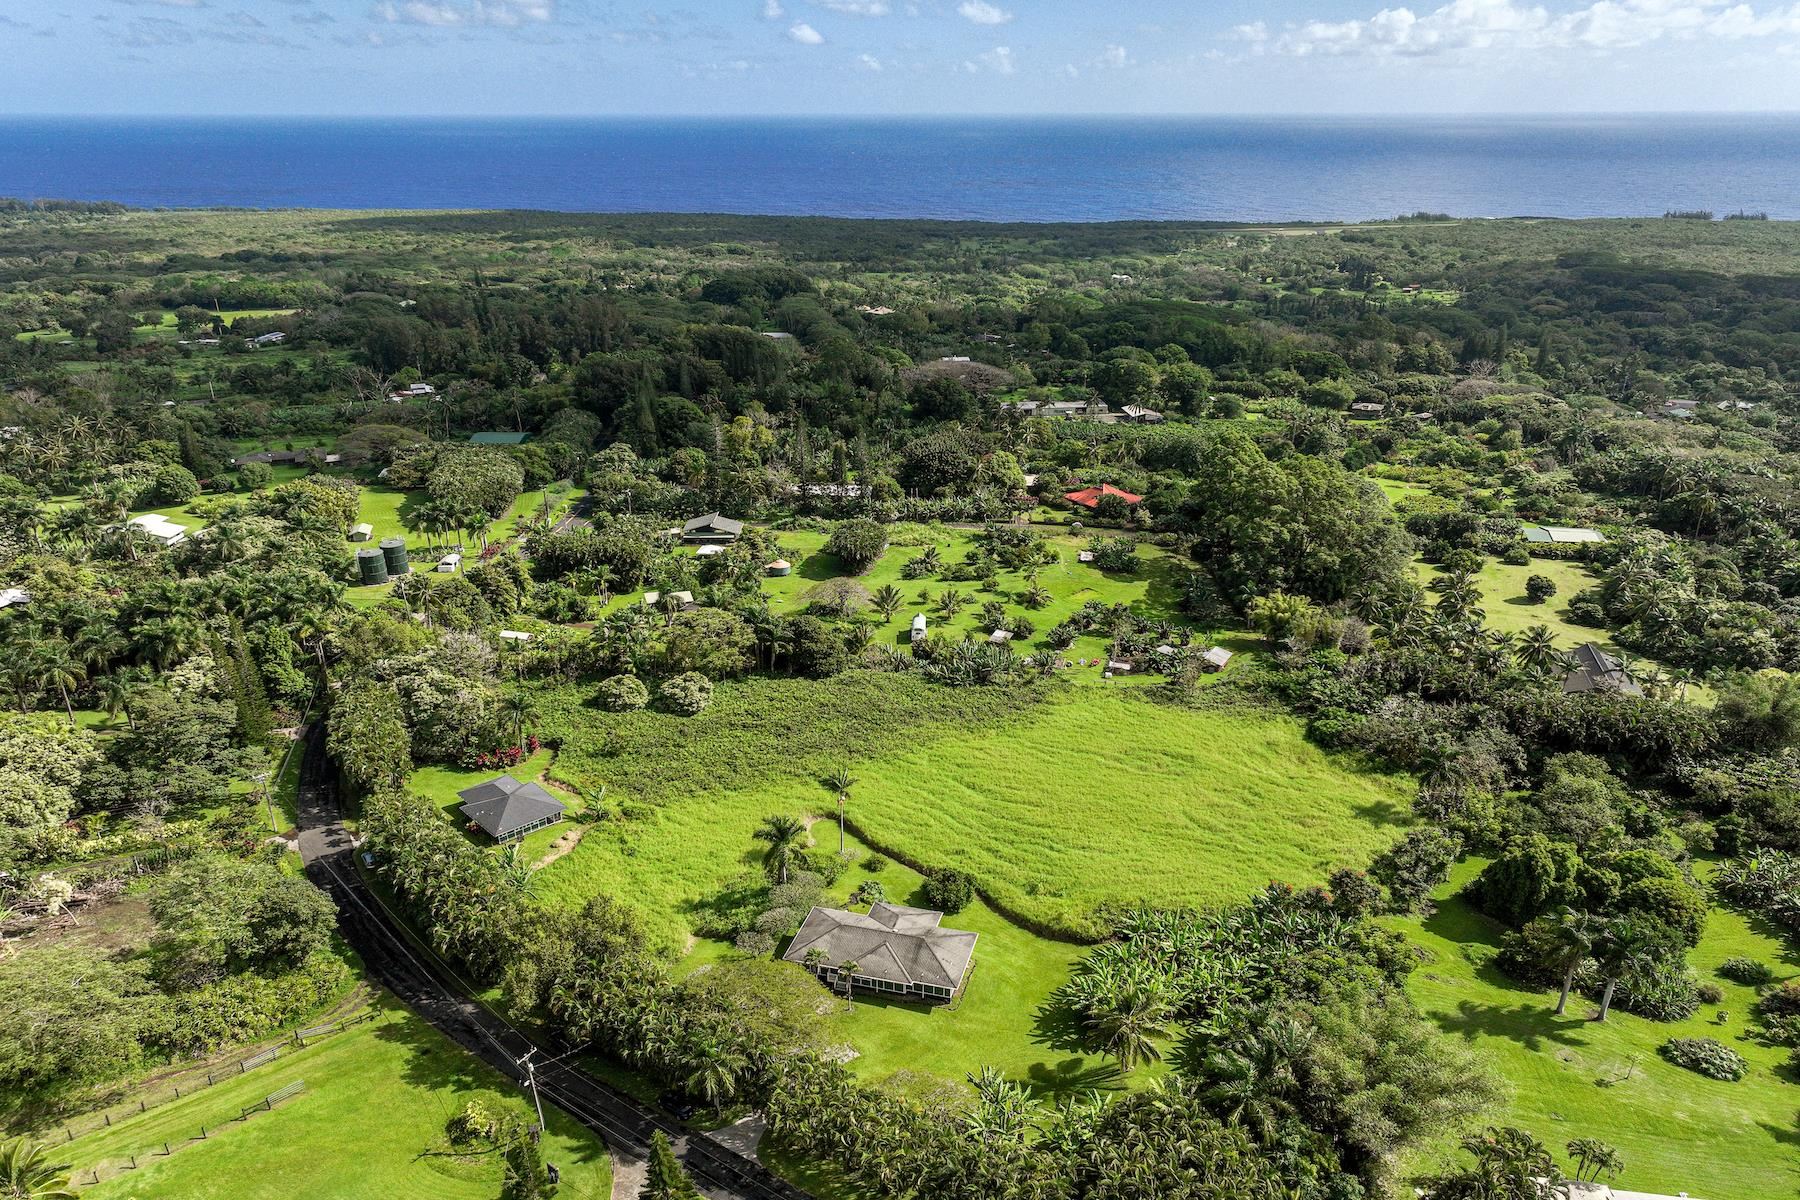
(1573, 1077)
(368, 1126)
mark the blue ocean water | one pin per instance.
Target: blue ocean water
(1237, 169)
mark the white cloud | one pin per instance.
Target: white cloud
(805, 34)
(506, 13)
(983, 13)
(1464, 26)
(998, 60)
(1114, 57)
(856, 8)
(868, 62)
(772, 10)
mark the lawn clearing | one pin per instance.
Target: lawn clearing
(368, 1126)
(1572, 1077)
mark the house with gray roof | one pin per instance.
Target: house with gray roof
(1560, 535)
(1592, 669)
(896, 951)
(712, 528)
(505, 809)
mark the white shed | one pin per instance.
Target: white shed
(918, 628)
(362, 531)
(450, 563)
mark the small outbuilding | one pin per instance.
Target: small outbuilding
(708, 550)
(1216, 658)
(1000, 636)
(918, 628)
(498, 439)
(1367, 410)
(1592, 669)
(14, 597)
(506, 809)
(362, 531)
(514, 635)
(712, 528)
(780, 566)
(450, 564)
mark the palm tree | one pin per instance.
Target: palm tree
(716, 1067)
(887, 600)
(1626, 949)
(1129, 1023)
(520, 709)
(784, 835)
(26, 1173)
(56, 669)
(1575, 934)
(1253, 1080)
(840, 782)
(1594, 1158)
(1537, 650)
(115, 692)
(848, 970)
(951, 602)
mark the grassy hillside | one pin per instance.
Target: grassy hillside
(1573, 1077)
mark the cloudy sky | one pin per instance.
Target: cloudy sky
(580, 57)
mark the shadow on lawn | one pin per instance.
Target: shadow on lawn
(1072, 1077)
(1531, 1025)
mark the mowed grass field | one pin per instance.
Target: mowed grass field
(1572, 1077)
(368, 1126)
(1089, 797)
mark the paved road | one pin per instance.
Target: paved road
(435, 994)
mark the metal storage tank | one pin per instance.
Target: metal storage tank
(371, 567)
(394, 550)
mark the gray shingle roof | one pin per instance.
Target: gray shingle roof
(715, 523)
(1594, 670)
(504, 806)
(901, 945)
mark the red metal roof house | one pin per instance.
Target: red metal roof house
(1089, 497)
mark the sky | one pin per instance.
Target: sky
(380, 58)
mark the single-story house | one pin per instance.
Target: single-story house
(685, 599)
(1140, 415)
(10, 597)
(1215, 658)
(498, 439)
(161, 530)
(362, 531)
(775, 335)
(1000, 635)
(514, 635)
(896, 951)
(411, 391)
(269, 339)
(1367, 410)
(1601, 1191)
(1561, 535)
(1592, 669)
(505, 809)
(1090, 497)
(780, 566)
(708, 549)
(1073, 408)
(450, 563)
(1119, 668)
(918, 628)
(712, 528)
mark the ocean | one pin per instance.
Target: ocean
(997, 169)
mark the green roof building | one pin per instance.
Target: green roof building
(498, 439)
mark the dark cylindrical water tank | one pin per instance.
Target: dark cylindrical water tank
(371, 567)
(394, 550)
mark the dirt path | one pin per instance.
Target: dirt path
(561, 846)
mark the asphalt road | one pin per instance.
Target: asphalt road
(431, 990)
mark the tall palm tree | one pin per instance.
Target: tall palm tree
(1625, 950)
(519, 709)
(56, 668)
(840, 781)
(1575, 934)
(1128, 1025)
(1594, 1158)
(26, 1173)
(1537, 650)
(715, 1066)
(784, 836)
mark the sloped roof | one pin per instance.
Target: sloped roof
(1089, 497)
(1561, 534)
(1594, 670)
(905, 946)
(715, 522)
(504, 806)
(497, 439)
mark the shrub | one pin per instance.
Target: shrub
(1784, 1001)
(857, 544)
(776, 922)
(687, 695)
(1715, 1060)
(754, 943)
(622, 693)
(1747, 971)
(1539, 588)
(1710, 993)
(875, 864)
(869, 891)
(948, 891)
(1516, 556)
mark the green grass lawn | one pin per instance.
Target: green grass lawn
(369, 1126)
(1572, 1077)
(994, 1023)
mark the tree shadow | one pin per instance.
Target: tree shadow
(1533, 1026)
(1056, 1026)
(434, 1063)
(1072, 1077)
(819, 567)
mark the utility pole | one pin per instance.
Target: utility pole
(531, 1082)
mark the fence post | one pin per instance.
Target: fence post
(107, 1117)
(166, 1150)
(203, 1133)
(140, 1106)
(70, 1132)
(134, 1162)
(178, 1091)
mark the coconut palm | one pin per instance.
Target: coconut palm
(1129, 1023)
(1625, 950)
(840, 781)
(26, 1173)
(1537, 651)
(714, 1068)
(521, 710)
(1574, 934)
(784, 836)
(1594, 1158)
(57, 668)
